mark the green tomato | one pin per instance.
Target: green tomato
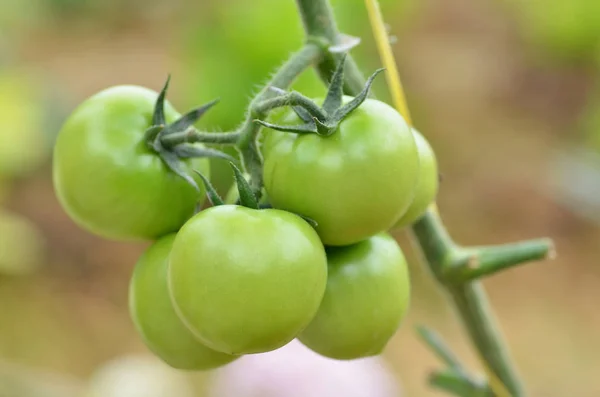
(354, 183)
(155, 319)
(427, 184)
(109, 181)
(245, 280)
(367, 296)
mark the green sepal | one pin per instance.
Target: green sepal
(174, 164)
(333, 100)
(324, 120)
(310, 221)
(324, 129)
(158, 118)
(302, 114)
(348, 108)
(151, 133)
(211, 192)
(185, 151)
(247, 197)
(172, 156)
(189, 119)
(296, 129)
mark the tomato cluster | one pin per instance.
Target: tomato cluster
(313, 262)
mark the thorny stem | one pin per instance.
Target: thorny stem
(446, 259)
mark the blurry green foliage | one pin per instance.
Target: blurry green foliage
(23, 144)
(566, 29)
(21, 245)
(590, 123)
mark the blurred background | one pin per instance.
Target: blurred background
(507, 92)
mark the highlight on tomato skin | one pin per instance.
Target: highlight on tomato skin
(156, 320)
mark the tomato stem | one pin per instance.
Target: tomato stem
(318, 21)
(488, 260)
(191, 135)
(248, 132)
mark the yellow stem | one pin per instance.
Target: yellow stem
(387, 58)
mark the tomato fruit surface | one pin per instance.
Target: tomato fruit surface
(354, 183)
(245, 280)
(106, 177)
(155, 319)
(427, 184)
(367, 296)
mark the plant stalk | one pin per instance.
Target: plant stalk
(319, 22)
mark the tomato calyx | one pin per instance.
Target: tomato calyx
(321, 120)
(247, 198)
(173, 155)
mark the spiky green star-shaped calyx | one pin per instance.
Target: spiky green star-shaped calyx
(173, 155)
(323, 120)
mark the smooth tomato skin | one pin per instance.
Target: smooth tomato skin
(244, 280)
(367, 296)
(355, 183)
(156, 320)
(427, 184)
(106, 178)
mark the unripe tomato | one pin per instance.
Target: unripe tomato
(155, 319)
(354, 183)
(106, 177)
(245, 280)
(427, 184)
(367, 295)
